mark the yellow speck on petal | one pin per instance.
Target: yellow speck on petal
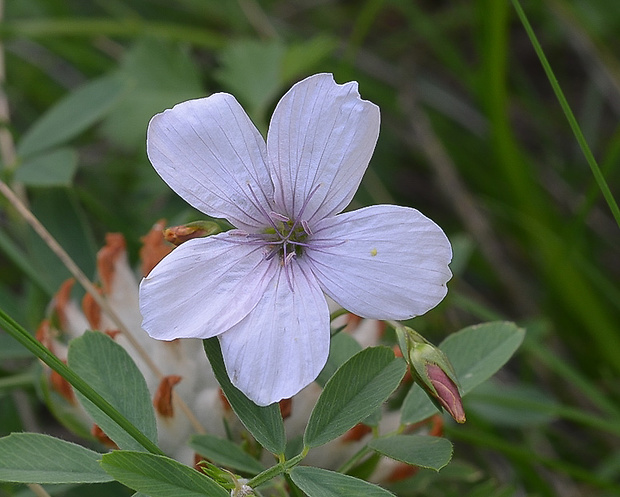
(373, 252)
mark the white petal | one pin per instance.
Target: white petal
(382, 262)
(282, 345)
(321, 133)
(210, 153)
(203, 287)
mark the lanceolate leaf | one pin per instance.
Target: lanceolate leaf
(479, 351)
(37, 458)
(476, 352)
(109, 369)
(359, 387)
(418, 450)
(51, 168)
(159, 476)
(341, 347)
(72, 115)
(316, 482)
(225, 453)
(264, 423)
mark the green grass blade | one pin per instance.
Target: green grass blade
(598, 175)
(43, 353)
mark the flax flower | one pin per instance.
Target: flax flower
(260, 288)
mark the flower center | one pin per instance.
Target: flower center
(287, 238)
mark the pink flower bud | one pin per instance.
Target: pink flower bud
(446, 392)
(431, 369)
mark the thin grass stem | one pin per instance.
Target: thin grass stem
(583, 144)
(45, 355)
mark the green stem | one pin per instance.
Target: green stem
(43, 353)
(278, 469)
(598, 175)
(348, 465)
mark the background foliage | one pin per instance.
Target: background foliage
(472, 135)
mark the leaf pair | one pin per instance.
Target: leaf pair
(355, 391)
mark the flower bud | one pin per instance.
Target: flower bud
(447, 393)
(197, 229)
(432, 370)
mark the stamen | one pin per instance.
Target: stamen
(241, 237)
(263, 211)
(289, 257)
(303, 207)
(306, 227)
(273, 252)
(288, 278)
(318, 245)
(244, 241)
(279, 217)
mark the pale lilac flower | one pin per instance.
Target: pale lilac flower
(260, 287)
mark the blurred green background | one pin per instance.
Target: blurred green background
(472, 135)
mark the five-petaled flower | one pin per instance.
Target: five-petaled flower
(260, 288)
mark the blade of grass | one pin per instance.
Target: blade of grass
(528, 456)
(45, 355)
(609, 165)
(583, 144)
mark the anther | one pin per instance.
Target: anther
(289, 257)
(303, 207)
(306, 227)
(279, 217)
(260, 207)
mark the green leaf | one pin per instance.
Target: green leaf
(515, 405)
(479, 351)
(109, 369)
(341, 348)
(61, 212)
(251, 70)
(73, 114)
(159, 476)
(318, 482)
(302, 58)
(37, 458)
(264, 423)
(417, 406)
(51, 168)
(417, 450)
(159, 75)
(44, 354)
(355, 391)
(9, 348)
(225, 453)
(476, 352)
